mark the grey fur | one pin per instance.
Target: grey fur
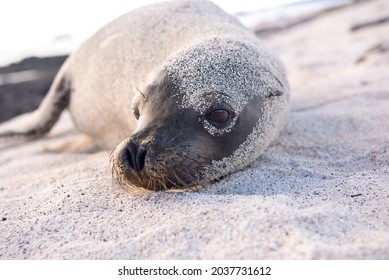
(192, 47)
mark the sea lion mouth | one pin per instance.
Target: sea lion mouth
(136, 168)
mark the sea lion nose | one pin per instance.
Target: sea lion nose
(136, 156)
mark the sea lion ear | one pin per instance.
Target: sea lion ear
(274, 93)
(276, 88)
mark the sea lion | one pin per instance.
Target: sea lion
(183, 90)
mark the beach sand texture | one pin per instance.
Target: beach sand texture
(320, 191)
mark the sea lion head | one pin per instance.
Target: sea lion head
(210, 110)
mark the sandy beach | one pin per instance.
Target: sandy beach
(320, 191)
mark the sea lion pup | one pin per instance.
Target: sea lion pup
(184, 92)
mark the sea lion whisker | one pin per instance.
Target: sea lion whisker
(177, 148)
(164, 184)
(149, 182)
(187, 172)
(141, 93)
(175, 137)
(192, 159)
(173, 183)
(179, 180)
(163, 181)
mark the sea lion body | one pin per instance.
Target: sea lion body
(208, 97)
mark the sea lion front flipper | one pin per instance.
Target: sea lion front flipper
(37, 123)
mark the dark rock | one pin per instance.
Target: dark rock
(21, 97)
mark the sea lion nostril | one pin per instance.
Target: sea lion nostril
(128, 156)
(132, 157)
(136, 157)
(140, 158)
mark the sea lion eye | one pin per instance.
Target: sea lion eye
(135, 111)
(218, 117)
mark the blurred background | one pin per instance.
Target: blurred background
(41, 27)
(37, 36)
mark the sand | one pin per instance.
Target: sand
(320, 191)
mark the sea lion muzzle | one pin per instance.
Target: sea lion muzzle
(135, 155)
